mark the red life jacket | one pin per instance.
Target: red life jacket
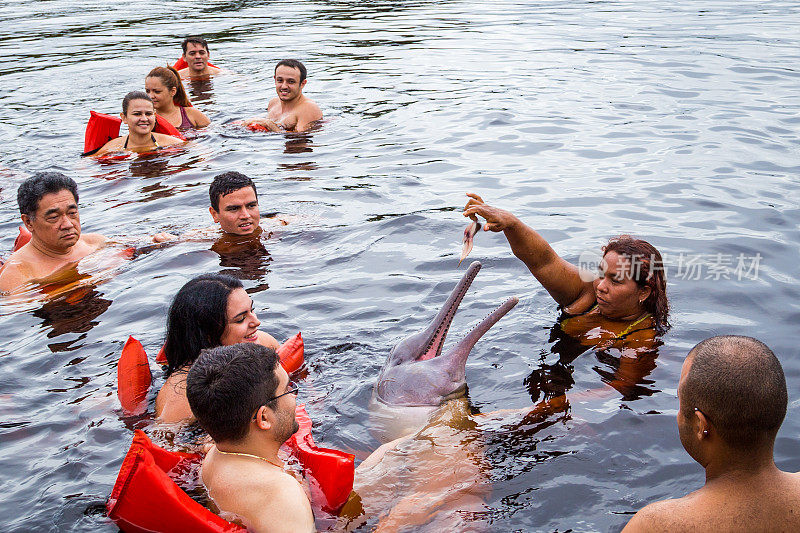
(181, 64)
(101, 128)
(145, 499)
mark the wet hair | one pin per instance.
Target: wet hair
(647, 270)
(34, 188)
(131, 96)
(197, 318)
(172, 80)
(226, 385)
(196, 40)
(226, 183)
(292, 63)
(738, 384)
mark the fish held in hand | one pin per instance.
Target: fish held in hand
(469, 234)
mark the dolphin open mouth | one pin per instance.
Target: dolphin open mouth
(441, 324)
(417, 372)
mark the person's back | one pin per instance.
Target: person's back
(243, 398)
(733, 399)
(258, 492)
(742, 501)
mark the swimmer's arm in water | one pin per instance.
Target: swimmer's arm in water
(270, 124)
(167, 140)
(197, 117)
(13, 275)
(161, 236)
(310, 114)
(560, 278)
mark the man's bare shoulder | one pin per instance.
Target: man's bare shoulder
(13, 273)
(267, 499)
(284, 508)
(311, 110)
(665, 515)
(95, 240)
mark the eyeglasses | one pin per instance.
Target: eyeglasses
(291, 388)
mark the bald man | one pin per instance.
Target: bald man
(732, 401)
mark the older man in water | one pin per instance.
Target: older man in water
(732, 401)
(48, 203)
(291, 110)
(196, 55)
(243, 398)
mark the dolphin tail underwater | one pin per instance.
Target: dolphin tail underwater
(417, 376)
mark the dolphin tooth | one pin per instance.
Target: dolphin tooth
(469, 234)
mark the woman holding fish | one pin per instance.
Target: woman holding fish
(625, 305)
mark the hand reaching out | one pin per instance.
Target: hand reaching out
(496, 219)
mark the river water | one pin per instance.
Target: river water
(674, 121)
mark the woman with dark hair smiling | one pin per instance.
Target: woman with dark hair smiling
(140, 116)
(208, 311)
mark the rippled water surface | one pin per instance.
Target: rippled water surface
(675, 121)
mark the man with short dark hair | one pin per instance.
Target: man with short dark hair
(732, 401)
(291, 110)
(234, 203)
(196, 55)
(48, 204)
(243, 398)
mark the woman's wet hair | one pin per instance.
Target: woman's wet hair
(647, 270)
(34, 188)
(172, 80)
(227, 384)
(197, 318)
(131, 96)
(739, 385)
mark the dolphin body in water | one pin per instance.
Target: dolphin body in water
(417, 377)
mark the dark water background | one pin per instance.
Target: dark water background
(675, 121)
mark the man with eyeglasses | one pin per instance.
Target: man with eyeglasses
(732, 400)
(243, 398)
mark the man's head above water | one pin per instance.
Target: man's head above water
(48, 203)
(732, 386)
(234, 203)
(233, 388)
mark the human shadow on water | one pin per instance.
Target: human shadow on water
(73, 312)
(621, 367)
(244, 256)
(200, 89)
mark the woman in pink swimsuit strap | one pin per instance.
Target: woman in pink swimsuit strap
(164, 87)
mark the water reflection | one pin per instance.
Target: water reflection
(244, 256)
(201, 90)
(625, 370)
(74, 312)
